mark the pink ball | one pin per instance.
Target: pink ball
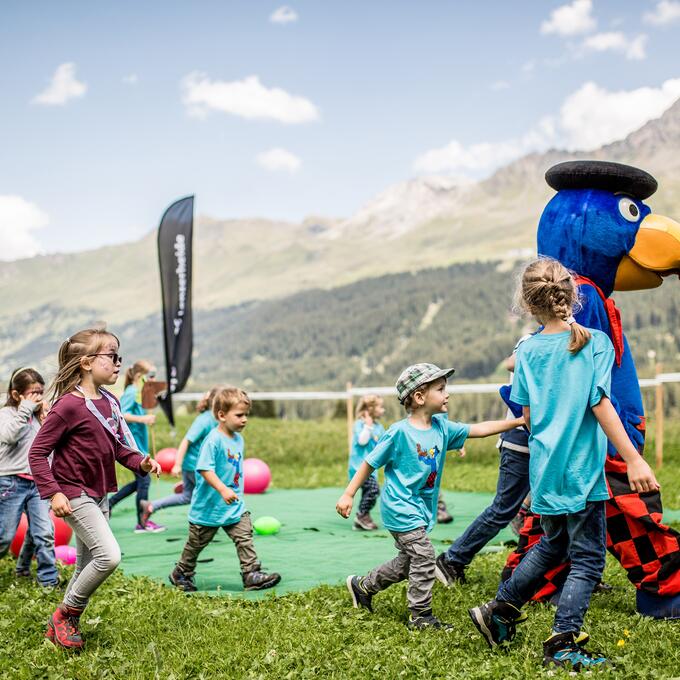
(166, 459)
(256, 475)
(66, 554)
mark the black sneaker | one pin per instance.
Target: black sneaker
(360, 598)
(260, 580)
(443, 515)
(603, 587)
(448, 573)
(496, 621)
(427, 619)
(564, 649)
(182, 581)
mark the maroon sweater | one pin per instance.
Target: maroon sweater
(84, 451)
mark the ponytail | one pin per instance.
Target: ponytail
(580, 336)
(140, 367)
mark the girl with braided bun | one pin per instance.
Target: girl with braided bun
(562, 381)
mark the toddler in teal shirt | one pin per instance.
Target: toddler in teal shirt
(412, 453)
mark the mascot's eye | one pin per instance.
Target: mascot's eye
(629, 210)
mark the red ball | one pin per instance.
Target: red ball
(256, 475)
(166, 459)
(62, 533)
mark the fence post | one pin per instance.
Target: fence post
(350, 414)
(658, 428)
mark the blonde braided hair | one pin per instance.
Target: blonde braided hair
(548, 291)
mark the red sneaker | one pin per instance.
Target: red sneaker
(62, 628)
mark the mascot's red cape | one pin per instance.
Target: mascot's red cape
(598, 227)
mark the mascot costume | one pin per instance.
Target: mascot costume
(599, 228)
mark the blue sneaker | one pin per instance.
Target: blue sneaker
(496, 621)
(567, 650)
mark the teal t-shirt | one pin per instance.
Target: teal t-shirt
(199, 430)
(224, 456)
(567, 446)
(358, 452)
(131, 403)
(414, 460)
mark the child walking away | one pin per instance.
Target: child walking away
(562, 381)
(367, 432)
(139, 421)
(86, 431)
(412, 452)
(218, 497)
(20, 420)
(187, 457)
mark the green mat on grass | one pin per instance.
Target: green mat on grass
(315, 545)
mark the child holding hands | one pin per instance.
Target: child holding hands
(413, 451)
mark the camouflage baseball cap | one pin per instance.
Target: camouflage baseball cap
(417, 375)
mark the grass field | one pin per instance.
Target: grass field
(137, 628)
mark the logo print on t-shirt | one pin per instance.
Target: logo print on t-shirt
(233, 459)
(430, 459)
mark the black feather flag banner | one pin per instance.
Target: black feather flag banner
(174, 258)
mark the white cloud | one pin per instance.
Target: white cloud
(63, 86)
(278, 159)
(664, 13)
(18, 218)
(615, 41)
(131, 79)
(500, 85)
(572, 19)
(588, 118)
(284, 15)
(247, 98)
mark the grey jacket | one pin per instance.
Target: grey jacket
(18, 428)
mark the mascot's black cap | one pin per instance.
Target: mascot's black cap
(614, 177)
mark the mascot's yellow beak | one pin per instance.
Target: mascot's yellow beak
(656, 254)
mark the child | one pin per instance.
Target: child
(187, 456)
(562, 380)
(86, 431)
(367, 432)
(413, 452)
(218, 497)
(20, 420)
(139, 421)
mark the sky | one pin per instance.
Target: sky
(110, 111)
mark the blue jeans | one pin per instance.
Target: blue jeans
(139, 485)
(184, 498)
(582, 538)
(19, 495)
(511, 490)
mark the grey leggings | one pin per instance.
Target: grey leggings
(98, 553)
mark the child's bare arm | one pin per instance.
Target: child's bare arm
(526, 411)
(640, 475)
(228, 495)
(490, 427)
(344, 505)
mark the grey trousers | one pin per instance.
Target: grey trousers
(97, 550)
(415, 562)
(199, 536)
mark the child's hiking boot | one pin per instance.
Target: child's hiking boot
(426, 619)
(568, 650)
(63, 628)
(496, 621)
(259, 580)
(182, 581)
(144, 506)
(447, 572)
(154, 528)
(364, 522)
(360, 596)
(443, 514)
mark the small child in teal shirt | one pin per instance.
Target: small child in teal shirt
(367, 432)
(412, 452)
(217, 500)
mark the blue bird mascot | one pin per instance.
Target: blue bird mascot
(598, 227)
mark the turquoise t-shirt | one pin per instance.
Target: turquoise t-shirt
(199, 430)
(414, 461)
(224, 456)
(358, 452)
(131, 402)
(567, 446)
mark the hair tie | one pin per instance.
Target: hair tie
(571, 320)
